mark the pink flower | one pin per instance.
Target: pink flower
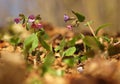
(70, 27)
(17, 20)
(31, 18)
(39, 26)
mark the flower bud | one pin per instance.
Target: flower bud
(31, 18)
(17, 20)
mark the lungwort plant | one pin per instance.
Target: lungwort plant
(34, 24)
(33, 43)
(71, 51)
(92, 44)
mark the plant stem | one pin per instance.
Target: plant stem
(91, 29)
(84, 47)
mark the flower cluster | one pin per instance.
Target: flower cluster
(66, 19)
(30, 21)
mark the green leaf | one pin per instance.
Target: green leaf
(31, 43)
(48, 61)
(59, 73)
(43, 34)
(44, 44)
(15, 40)
(106, 39)
(83, 58)
(72, 42)
(80, 17)
(93, 43)
(69, 61)
(61, 46)
(70, 51)
(101, 27)
(82, 36)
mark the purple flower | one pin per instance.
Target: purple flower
(31, 18)
(39, 26)
(70, 27)
(66, 17)
(17, 20)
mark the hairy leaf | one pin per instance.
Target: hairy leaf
(79, 16)
(93, 43)
(31, 43)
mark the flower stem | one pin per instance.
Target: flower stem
(91, 29)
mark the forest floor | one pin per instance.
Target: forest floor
(96, 70)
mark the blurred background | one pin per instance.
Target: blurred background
(99, 11)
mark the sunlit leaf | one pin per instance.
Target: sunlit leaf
(59, 72)
(69, 61)
(31, 43)
(15, 40)
(49, 59)
(70, 51)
